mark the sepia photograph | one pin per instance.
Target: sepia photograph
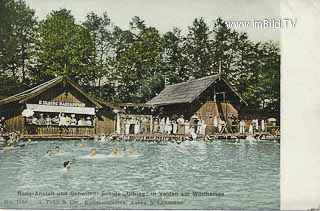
(140, 104)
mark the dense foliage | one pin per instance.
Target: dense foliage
(130, 65)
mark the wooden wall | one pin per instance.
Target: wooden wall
(14, 119)
(59, 93)
(210, 109)
(105, 122)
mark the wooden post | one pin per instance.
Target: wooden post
(118, 129)
(151, 124)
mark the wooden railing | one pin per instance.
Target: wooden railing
(56, 130)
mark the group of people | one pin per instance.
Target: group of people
(179, 125)
(255, 125)
(61, 120)
(115, 152)
(54, 151)
(138, 125)
(196, 125)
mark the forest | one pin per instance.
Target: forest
(133, 64)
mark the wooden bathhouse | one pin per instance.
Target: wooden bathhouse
(57, 109)
(203, 98)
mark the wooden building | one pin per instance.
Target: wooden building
(206, 98)
(57, 109)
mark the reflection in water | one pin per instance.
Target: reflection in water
(247, 173)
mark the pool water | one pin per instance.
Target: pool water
(241, 175)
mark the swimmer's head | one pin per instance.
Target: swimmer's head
(67, 164)
(114, 150)
(93, 152)
(49, 152)
(57, 148)
(123, 149)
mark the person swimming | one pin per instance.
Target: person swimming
(49, 152)
(82, 143)
(67, 164)
(115, 151)
(93, 153)
(57, 150)
(132, 151)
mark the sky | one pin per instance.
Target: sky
(166, 14)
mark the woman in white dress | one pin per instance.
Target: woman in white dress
(162, 125)
(174, 127)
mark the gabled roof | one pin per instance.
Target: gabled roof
(109, 104)
(35, 91)
(187, 92)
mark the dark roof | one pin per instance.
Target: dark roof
(35, 91)
(133, 105)
(187, 92)
(108, 104)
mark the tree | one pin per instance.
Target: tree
(138, 61)
(197, 46)
(173, 57)
(65, 49)
(18, 32)
(100, 29)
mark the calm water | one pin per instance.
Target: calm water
(242, 175)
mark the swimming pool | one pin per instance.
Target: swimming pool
(170, 176)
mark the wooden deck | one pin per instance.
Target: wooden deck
(182, 137)
(156, 136)
(58, 132)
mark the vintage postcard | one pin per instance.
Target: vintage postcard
(140, 104)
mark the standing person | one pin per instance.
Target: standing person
(142, 126)
(168, 126)
(41, 121)
(88, 121)
(81, 122)
(73, 120)
(126, 126)
(162, 125)
(62, 119)
(257, 125)
(262, 125)
(136, 127)
(55, 120)
(68, 120)
(220, 125)
(202, 127)
(174, 127)
(250, 128)
(196, 125)
(180, 122)
(156, 125)
(242, 126)
(186, 127)
(48, 120)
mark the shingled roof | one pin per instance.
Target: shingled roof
(187, 92)
(35, 91)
